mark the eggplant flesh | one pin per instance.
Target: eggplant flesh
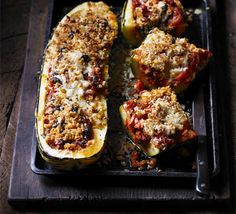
(128, 26)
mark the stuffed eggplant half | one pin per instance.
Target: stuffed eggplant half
(155, 121)
(141, 16)
(71, 116)
(163, 60)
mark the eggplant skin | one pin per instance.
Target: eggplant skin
(66, 159)
(128, 26)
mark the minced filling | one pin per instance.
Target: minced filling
(164, 59)
(156, 117)
(76, 68)
(166, 14)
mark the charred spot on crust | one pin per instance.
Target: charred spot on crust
(85, 58)
(81, 143)
(56, 80)
(59, 143)
(61, 49)
(74, 109)
(87, 133)
(71, 35)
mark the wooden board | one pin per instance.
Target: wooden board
(28, 189)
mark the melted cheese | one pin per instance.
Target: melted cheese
(153, 13)
(164, 115)
(74, 69)
(168, 56)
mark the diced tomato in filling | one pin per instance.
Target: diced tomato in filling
(96, 79)
(136, 3)
(141, 164)
(182, 77)
(152, 76)
(139, 86)
(160, 140)
(185, 134)
(129, 105)
(176, 18)
(146, 13)
(194, 63)
(205, 55)
(186, 76)
(133, 123)
(145, 69)
(136, 129)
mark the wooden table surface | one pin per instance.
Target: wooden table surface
(14, 30)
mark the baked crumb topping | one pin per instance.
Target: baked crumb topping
(162, 58)
(156, 117)
(76, 68)
(166, 14)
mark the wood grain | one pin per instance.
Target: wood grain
(87, 192)
(14, 29)
(26, 187)
(13, 45)
(6, 156)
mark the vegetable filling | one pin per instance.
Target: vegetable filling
(157, 118)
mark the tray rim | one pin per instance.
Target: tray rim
(26, 199)
(207, 43)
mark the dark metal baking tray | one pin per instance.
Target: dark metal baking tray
(172, 163)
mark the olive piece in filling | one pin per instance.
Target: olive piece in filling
(81, 143)
(87, 133)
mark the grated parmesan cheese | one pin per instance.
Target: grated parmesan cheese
(75, 64)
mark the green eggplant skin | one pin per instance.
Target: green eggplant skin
(128, 26)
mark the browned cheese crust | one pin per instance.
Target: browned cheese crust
(76, 77)
(157, 118)
(165, 60)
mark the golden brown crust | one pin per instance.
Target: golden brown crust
(75, 72)
(167, 15)
(157, 118)
(165, 58)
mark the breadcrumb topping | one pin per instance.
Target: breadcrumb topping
(76, 67)
(165, 57)
(163, 113)
(166, 114)
(156, 117)
(166, 14)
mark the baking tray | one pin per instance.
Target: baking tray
(174, 163)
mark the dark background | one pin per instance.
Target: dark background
(14, 30)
